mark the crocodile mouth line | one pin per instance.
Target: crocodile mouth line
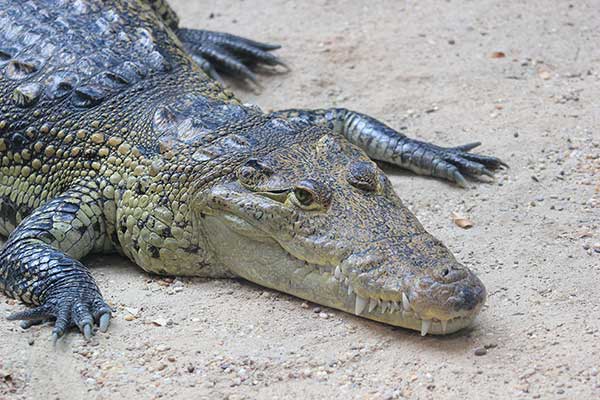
(398, 312)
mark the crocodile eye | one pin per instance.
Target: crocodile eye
(304, 197)
(311, 195)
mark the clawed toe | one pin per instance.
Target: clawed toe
(33, 315)
(104, 321)
(228, 53)
(469, 164)
(66, 314)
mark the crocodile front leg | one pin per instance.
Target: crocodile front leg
(38, 264)
(383, 143)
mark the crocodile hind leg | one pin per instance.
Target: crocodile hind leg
(39, 266)
(227, 53)
(218, 51)
(383, 143)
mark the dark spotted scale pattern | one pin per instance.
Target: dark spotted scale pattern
(111, 134)
(61, 90)
(79, 85)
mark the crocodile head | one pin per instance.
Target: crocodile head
(321, 221)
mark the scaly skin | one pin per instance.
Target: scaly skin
(113, 138)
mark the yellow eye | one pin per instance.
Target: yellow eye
(310, 195)
(304, 197)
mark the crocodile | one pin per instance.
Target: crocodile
(115, 136)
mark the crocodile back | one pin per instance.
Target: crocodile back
(79, 84)
(74, 55)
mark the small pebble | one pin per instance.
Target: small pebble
(480, 351)
(323, 315)
(306, 373)
(162, 348)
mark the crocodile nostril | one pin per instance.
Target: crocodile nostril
(451, 274)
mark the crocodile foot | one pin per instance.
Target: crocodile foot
(68, 307)
(230, 54)
(454, 163)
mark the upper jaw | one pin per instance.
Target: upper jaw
(402, 307)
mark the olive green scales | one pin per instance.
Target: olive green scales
(115, 138)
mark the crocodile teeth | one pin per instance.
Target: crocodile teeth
(405, 302)
(384, 306)
(338, 272)
(444, 326)
(425, 325)
(360, 305)
(372, 304)
(350, 290)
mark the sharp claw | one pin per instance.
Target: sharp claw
(260, 45)
(87, 331)
(459, 179)
(267, 46)
(487, 172)
(468, 146)
(104, 322)
(249, 75)
(54, 338)
(491, 162)
(284, 65)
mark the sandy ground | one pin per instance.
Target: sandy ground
(428, 65)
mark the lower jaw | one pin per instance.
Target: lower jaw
(319, 285)
(410, 321)
(388, 312)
